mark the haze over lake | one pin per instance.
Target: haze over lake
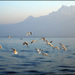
(56, 24)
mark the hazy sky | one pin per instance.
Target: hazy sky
(16, 11)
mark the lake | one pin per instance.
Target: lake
(29, 61)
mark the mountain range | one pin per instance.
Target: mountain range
(60, 23)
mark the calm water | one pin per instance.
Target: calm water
(28, 61)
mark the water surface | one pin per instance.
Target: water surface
(28, 61)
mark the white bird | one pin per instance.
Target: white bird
(15, 52)
(45, 54)
(48, 43)
(56, 47)
(0, 46)
(26, 43)
(44, 39)
(29, 33)
(33, 41)
(63, 47)
(9, 36)
(39, 50)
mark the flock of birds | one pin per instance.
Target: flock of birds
(37, 49)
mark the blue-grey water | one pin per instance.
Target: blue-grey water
(28, 61)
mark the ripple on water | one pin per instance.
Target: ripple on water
(67, 66)
(25, 64)
(26, 50)
(2, 68)
(31, 64)
(28, 64)
(47, 61)
(9, 72)
(2, 57)
(39, 72)
(67, 70)
(73, 53)
(18, 56)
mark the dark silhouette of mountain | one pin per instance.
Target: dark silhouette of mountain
(60, 23)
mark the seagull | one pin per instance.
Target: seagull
(44, 39)
(56, 47)
(9, 36)
(45, 54)
(51, 45)
(39, 50)
(15, 52)
(63, 47)
(48, 43)
(0, 46)
(29, 33)
(33, 41)
(26, 43)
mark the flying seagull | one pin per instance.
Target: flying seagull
(48, 43)
(56, 47)
(39, 50)
(15, 52)
(0, 46)
(9, 36)
(45, 54)
(26, 43)
(63, 47)
(33, 41)
(29, 33)
(44, 39)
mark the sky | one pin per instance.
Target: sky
(16, 11)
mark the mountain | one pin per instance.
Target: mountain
(56, 24)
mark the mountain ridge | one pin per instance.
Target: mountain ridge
(59, 23)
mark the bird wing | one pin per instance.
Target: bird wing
(13, 48)
(57, 47)
(31, 33)
(60, 44)
(35, 40)
(27, 34)
(27, 44)
(32, 41)
(24, 43)
(50, 41)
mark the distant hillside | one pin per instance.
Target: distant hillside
(59, 23)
